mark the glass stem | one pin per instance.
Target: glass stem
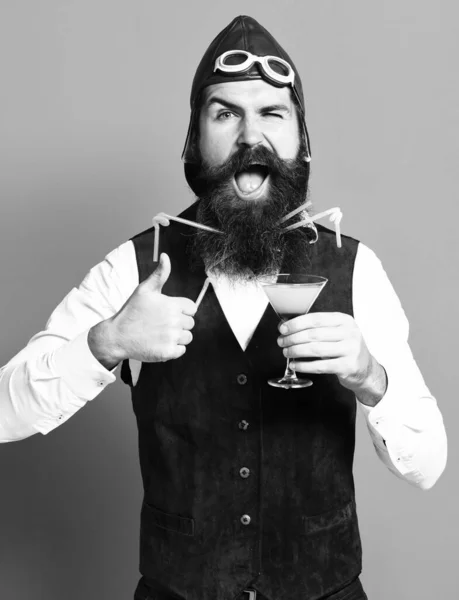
(290, 372)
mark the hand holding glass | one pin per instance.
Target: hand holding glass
(292, 295)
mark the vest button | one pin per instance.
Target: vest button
(245, 519)
(243, 424)
(242, 379)
(244, 472)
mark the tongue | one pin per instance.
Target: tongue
(250, 180)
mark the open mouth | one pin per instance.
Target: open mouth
(250, 182)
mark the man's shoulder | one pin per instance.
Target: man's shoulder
(351, 249)
(146, 233)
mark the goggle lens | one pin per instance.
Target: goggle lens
(279, 67)
(235, 58)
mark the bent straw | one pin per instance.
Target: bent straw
(160, 219)
(335, 217)
(330, 211)
(163, 219)
(202, 292)
(186, 222)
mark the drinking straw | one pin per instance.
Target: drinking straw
(186, 222)
(156, 242)
(303, 223)
(160, 219)
(330, 211)
(335, 217)
(163, 219)
(295, 212)
(202, 292)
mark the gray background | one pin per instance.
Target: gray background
(93, 116)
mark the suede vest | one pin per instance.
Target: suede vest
(245, 484)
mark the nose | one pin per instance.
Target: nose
(250, 133)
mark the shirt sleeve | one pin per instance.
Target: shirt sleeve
(406, 426)
(56, 373)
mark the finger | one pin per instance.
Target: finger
(179, 351)
(161, 274)
(187, 306)
(317, 367)
(312, 321)
(174, 351)
(185, 337)
(319, 334)
(320, 350)
(186, 322)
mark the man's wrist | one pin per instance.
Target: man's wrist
(373, 388)
(101, 342)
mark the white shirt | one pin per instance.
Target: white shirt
(56, 373)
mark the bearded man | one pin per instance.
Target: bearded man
(249, 490)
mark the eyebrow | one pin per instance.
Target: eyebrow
(235, 107)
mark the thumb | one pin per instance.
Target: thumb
(161, 274)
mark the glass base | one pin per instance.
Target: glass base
(290, 383)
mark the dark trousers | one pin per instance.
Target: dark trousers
(148, 591)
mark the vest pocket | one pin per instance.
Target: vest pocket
(329, 519)
(330, 547)
(152, 517)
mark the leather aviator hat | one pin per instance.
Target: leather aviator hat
(244, 50)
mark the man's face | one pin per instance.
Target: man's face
(246, 115)
(251, 172)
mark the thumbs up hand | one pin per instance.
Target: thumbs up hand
(150, 327)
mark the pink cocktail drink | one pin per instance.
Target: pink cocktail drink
(290, 300)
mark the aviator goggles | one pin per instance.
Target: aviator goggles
(276, 69)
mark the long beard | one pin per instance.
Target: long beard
(252, 241)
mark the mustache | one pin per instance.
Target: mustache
(211, 177)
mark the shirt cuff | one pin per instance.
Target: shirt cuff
(387, 428)
(80, 370)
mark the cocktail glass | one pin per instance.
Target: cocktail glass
(292, 295)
